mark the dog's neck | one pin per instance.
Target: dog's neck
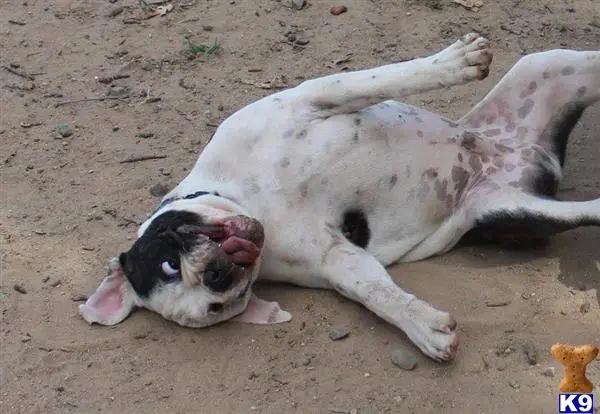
(169, 200)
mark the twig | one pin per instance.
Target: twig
(509, 30)
(295, 45)
(19, 73)
(109, 79)
(143, 158)
(104, 98)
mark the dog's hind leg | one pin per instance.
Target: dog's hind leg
(464, 61)
(540, 99)
(512, 217)
(359, 276)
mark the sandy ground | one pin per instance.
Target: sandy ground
(69, 204)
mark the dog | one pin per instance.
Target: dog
(325, 184)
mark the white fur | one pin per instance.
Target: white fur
(296, 160)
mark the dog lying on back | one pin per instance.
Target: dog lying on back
(325, 184)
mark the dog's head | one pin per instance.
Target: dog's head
(195, 267)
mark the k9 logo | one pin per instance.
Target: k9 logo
(575, 403)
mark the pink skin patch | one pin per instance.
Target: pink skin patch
(262, 312)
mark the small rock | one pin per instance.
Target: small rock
(207, 28)
(141, 335)
(305, 361)
(60, 388)
(337, 10)
(79, 298)
(530, 353)
(338, 333)
(548, 372)
(118, 91)
(159, 190)
(19, 288)
(404, 359)
(585, 307)
(115, 12)
(147, 65)
(514, 384)
(252, 375)
(144, 135)
(298, 4)
(496, 303)
(26, 338)
(64, 130)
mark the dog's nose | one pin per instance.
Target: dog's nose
(218, 280)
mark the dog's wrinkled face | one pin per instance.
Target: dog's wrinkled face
(191, 272)
(193, 267)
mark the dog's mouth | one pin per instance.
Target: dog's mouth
(240, 237)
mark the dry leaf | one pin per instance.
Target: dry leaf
(162, 10)
(473, 5)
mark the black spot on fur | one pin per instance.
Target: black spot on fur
(557, 132)
(545, 183)
(159, 243)
(520, 228)
(355, 228)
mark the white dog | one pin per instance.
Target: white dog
(325, 184)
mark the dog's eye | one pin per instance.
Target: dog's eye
(170, 268)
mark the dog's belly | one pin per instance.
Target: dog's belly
(406, 169)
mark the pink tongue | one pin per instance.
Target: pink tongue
(242, 252)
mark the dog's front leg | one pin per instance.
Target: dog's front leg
(356, 274)
(464, 61)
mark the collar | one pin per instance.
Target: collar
(169, 200)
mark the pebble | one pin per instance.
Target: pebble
(141, 335)
(496, 303)
(305, 361)
(298, 4)
(404, 359)
(159, 190)
(60, 388)
(337, 10)
(118, 91)
(64, 130)
(338, 333)
(144, 135)
(514, 384)
(530, 353)
(19, 288)
(585, 307)
(548, 372)
(115, 12)
(79, 298)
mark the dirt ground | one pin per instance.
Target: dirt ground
(68, 204)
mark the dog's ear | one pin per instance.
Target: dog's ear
(262, 312)
(113, 300)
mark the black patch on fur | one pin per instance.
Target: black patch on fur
(559, 128)
(355, 228)
(520, 228)
(545, 183)
(159, 243)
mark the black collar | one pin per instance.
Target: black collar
(169, 200)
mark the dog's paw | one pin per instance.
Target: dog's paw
(469, 58)
(433, 331)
